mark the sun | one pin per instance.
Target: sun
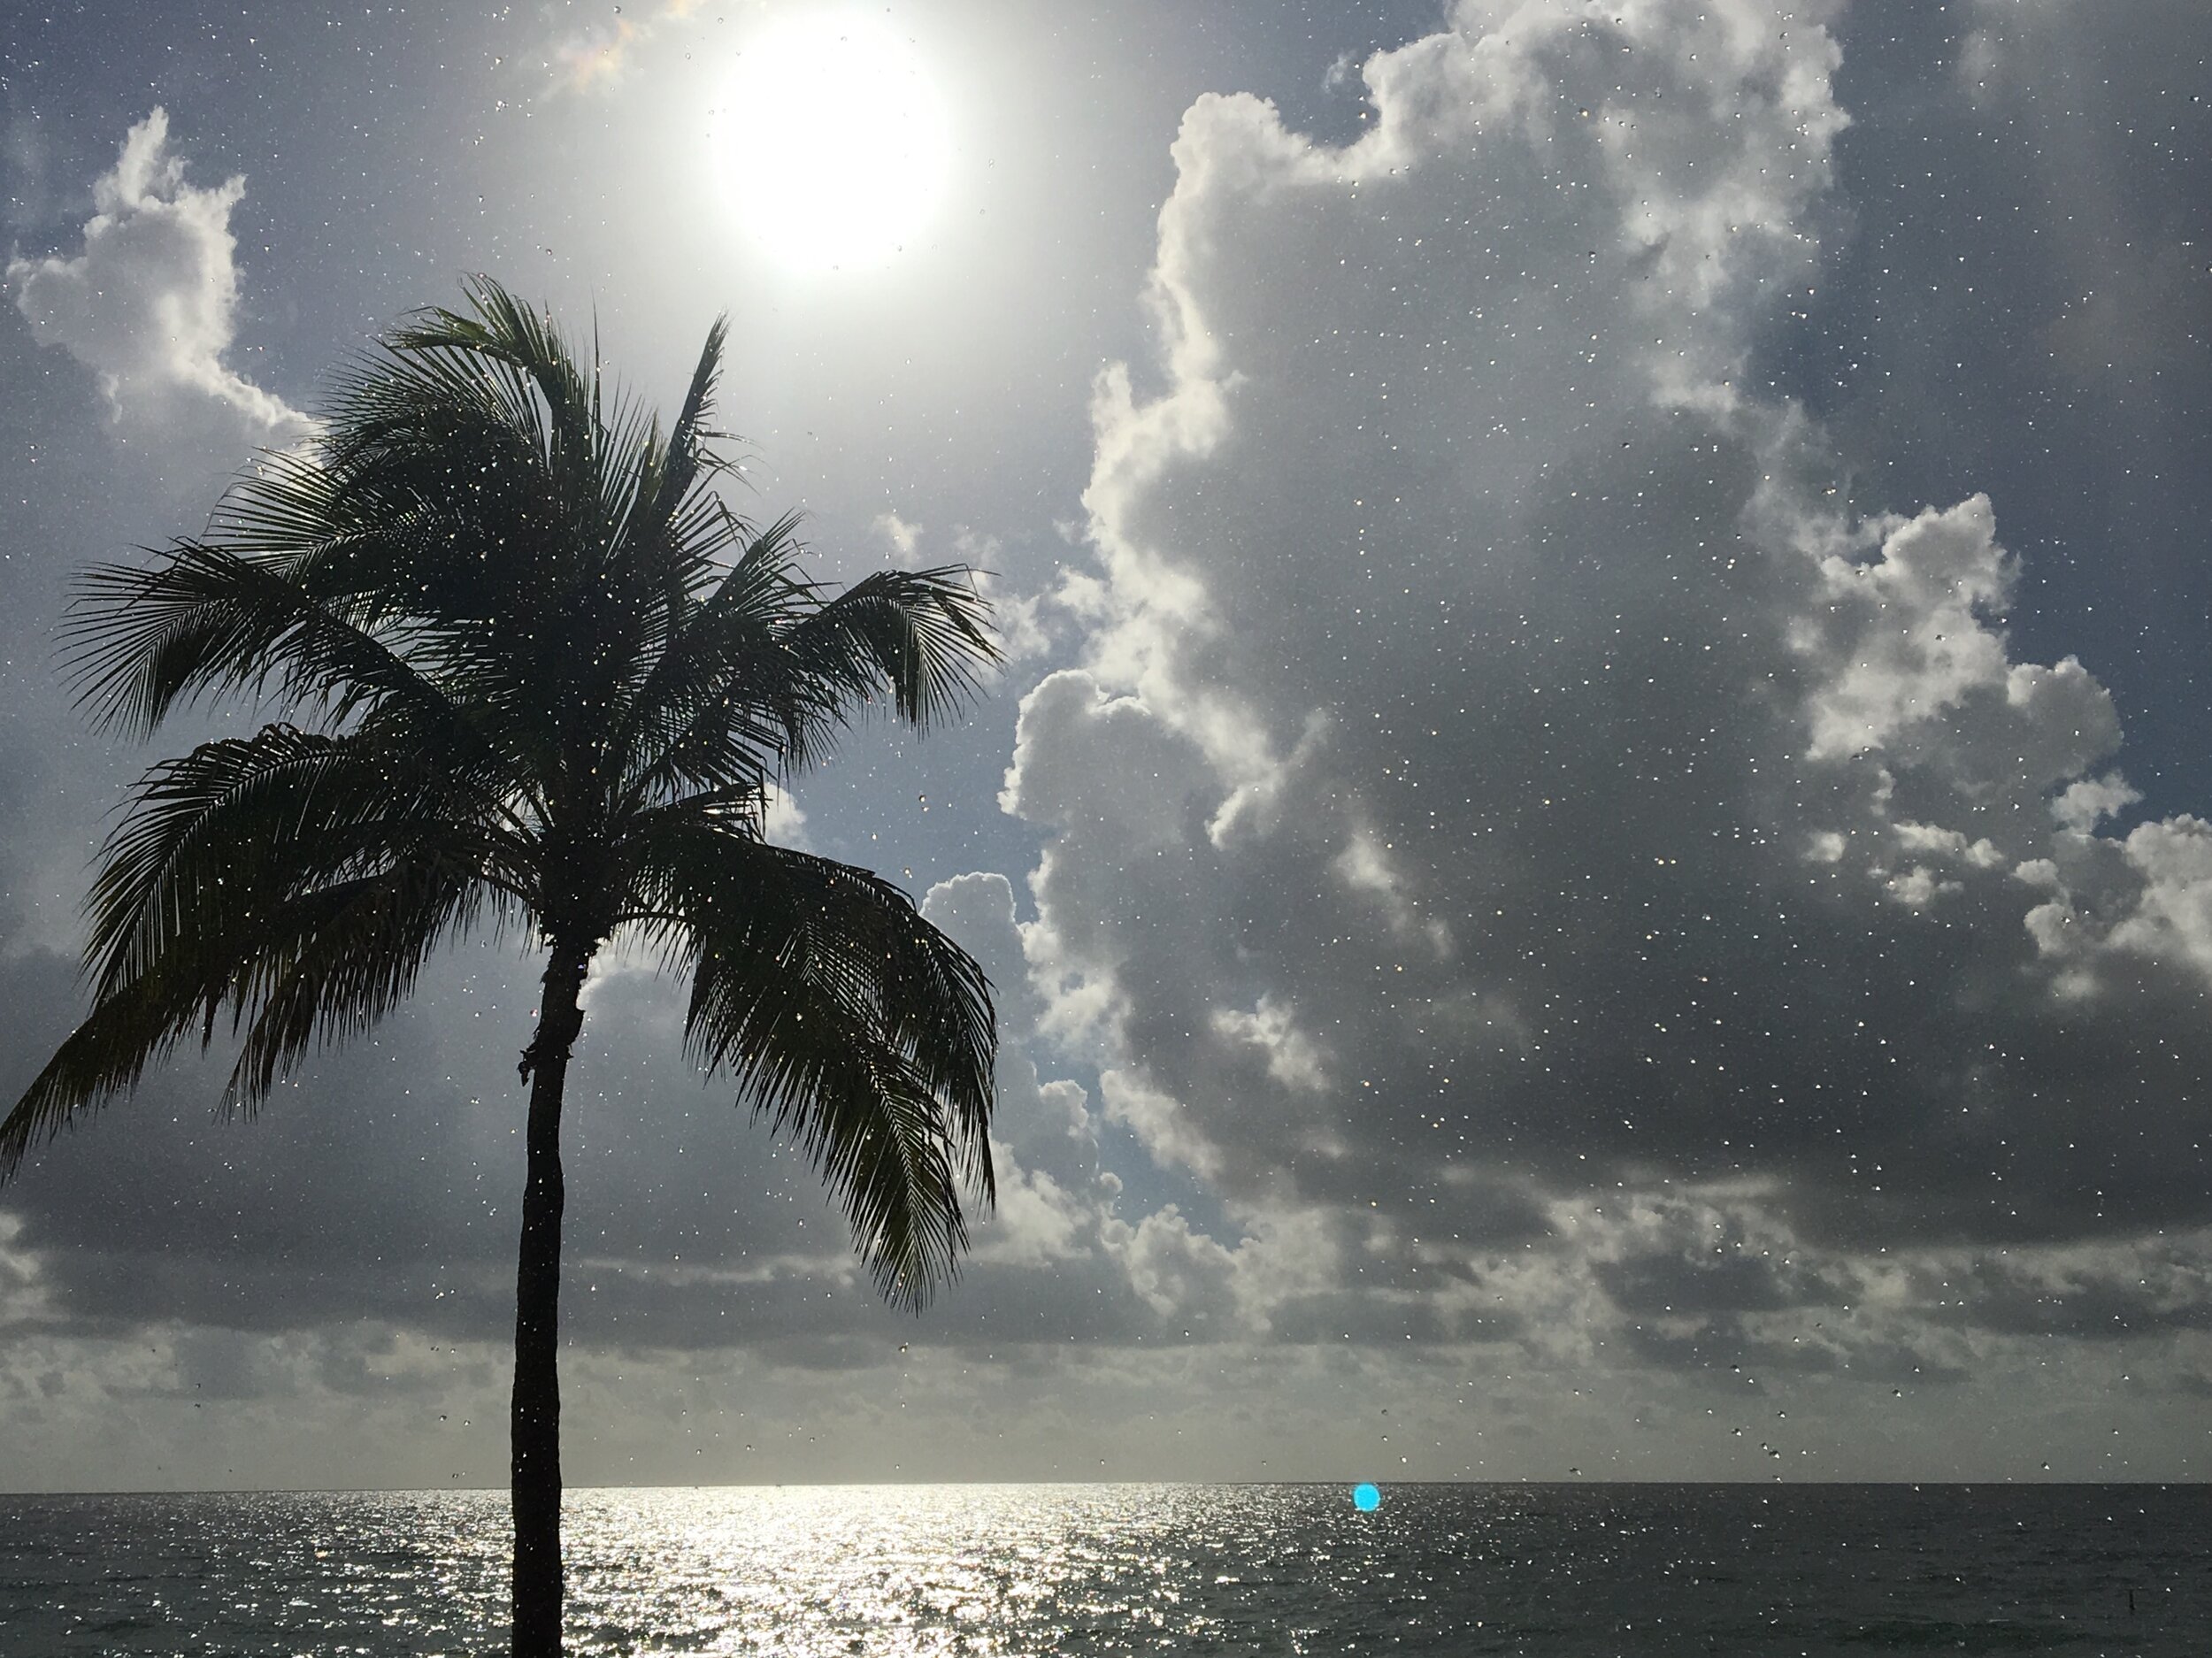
(834, 142)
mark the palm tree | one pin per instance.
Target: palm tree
(546, 678)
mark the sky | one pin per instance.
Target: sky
(1594, 838)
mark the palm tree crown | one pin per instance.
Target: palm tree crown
(545, 679)
(552, 678)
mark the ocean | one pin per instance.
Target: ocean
(1549, 1571)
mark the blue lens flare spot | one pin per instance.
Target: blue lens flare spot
(1365, 1498)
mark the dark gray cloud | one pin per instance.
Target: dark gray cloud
(1504, 757)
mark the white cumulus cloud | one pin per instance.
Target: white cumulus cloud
(151, 304)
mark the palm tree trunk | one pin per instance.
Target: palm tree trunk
(535, 1423)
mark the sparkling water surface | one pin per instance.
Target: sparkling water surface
(991, 1569)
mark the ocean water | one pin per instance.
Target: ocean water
(1552, 1571)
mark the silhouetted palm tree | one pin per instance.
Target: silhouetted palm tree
(546, 677)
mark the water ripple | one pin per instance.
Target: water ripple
(1013, 1571)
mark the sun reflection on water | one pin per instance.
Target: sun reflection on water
(895, 1570)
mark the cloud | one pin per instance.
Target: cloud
(598, 56)
(904, 539)
(151, 304)
(1503, 773)
(784, 823)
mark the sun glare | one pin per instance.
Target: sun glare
(835, 143)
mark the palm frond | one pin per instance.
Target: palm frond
(846, 1019)
(914, 633)
(688, 523)
(104, 1057)
(722, 703)
(685, 455)
(142, 643)
(322, 965)
(336, 962)
(243, 825)
(505, 331)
